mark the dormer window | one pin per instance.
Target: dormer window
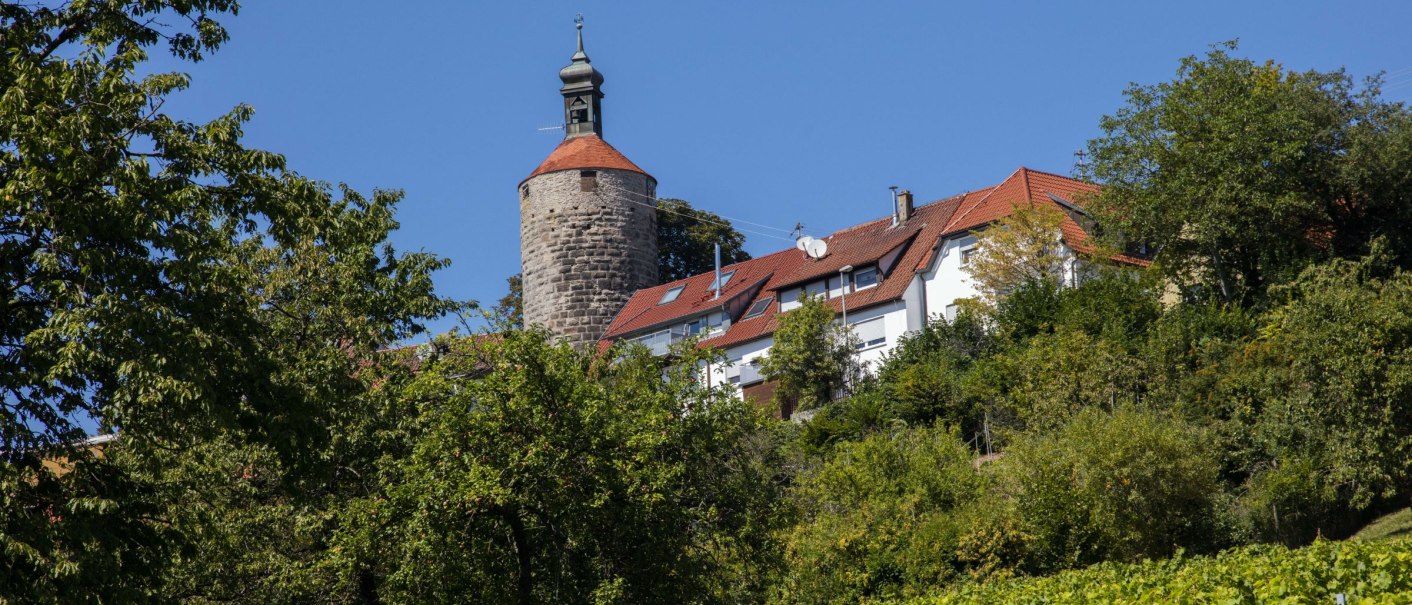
(865, 278)
(671, 294)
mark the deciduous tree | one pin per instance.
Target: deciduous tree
(161, 280)
(1021, 247)
(1242, 173)
(687, 238)
(812, 357)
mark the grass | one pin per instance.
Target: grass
(1391, 525)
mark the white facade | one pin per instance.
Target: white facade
(933, 292)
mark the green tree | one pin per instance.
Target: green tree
(1021, 247)
(1320, 399)
(1242, 173)
(161, 280)
(812, 357)
(1125, 485)
(542, 474)
(882, 518)
(255, 527)
(510, 309)
(920, 382)
(687, 238)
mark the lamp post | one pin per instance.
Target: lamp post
(843, 288)
(843, 298)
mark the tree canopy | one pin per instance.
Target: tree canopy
(812, 358)
(161, 280)
(1241, 173)
(1021, 247)
(687, 238)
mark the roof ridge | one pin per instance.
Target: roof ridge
(956, 219)
(962, 195)
(1057, 175)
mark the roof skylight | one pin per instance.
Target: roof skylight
(725, 279)
(759, 307)
(671, 295)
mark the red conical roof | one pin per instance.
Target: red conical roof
(585, 152)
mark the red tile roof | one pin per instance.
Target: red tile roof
(864, 244)
(585, 152)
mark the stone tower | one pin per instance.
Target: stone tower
(588, 220)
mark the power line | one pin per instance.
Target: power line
(653, 204)
(733, 220)
(698, 218)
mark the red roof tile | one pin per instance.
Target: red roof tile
(867, 243)
(584, 152)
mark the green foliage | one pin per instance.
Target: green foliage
(1022, 246)
(811, 358)
(1242, 173)
(1053, 376)
(687, 238)
(920, 382)
(879, 518)
(1122, 486)
(1325, 387)
(1365, 572)
(510, 309)
(543, 474)
(161, 280)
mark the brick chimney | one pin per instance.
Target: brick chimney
(904, 206)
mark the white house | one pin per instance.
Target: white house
(888, 276)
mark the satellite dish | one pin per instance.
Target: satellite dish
(817, 248)
(803, 243)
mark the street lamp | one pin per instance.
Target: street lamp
(843, 289)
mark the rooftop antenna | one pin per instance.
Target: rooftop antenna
(798, 232)
(1080, 161)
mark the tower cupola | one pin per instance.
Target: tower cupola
(583, 93)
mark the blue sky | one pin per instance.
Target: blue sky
(770, 112)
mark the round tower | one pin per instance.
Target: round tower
(588, 220)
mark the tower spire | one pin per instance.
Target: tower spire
(583, 93)
(578, 25)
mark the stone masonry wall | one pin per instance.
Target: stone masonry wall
(584, 253)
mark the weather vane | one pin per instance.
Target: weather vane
(578, 21)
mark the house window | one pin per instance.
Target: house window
(588, 180)
(871, 333)
(967, 254)
(671, 294)
(758, 308)
(725, 279)
(951, 311)
(707, 325)
(865, 278)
